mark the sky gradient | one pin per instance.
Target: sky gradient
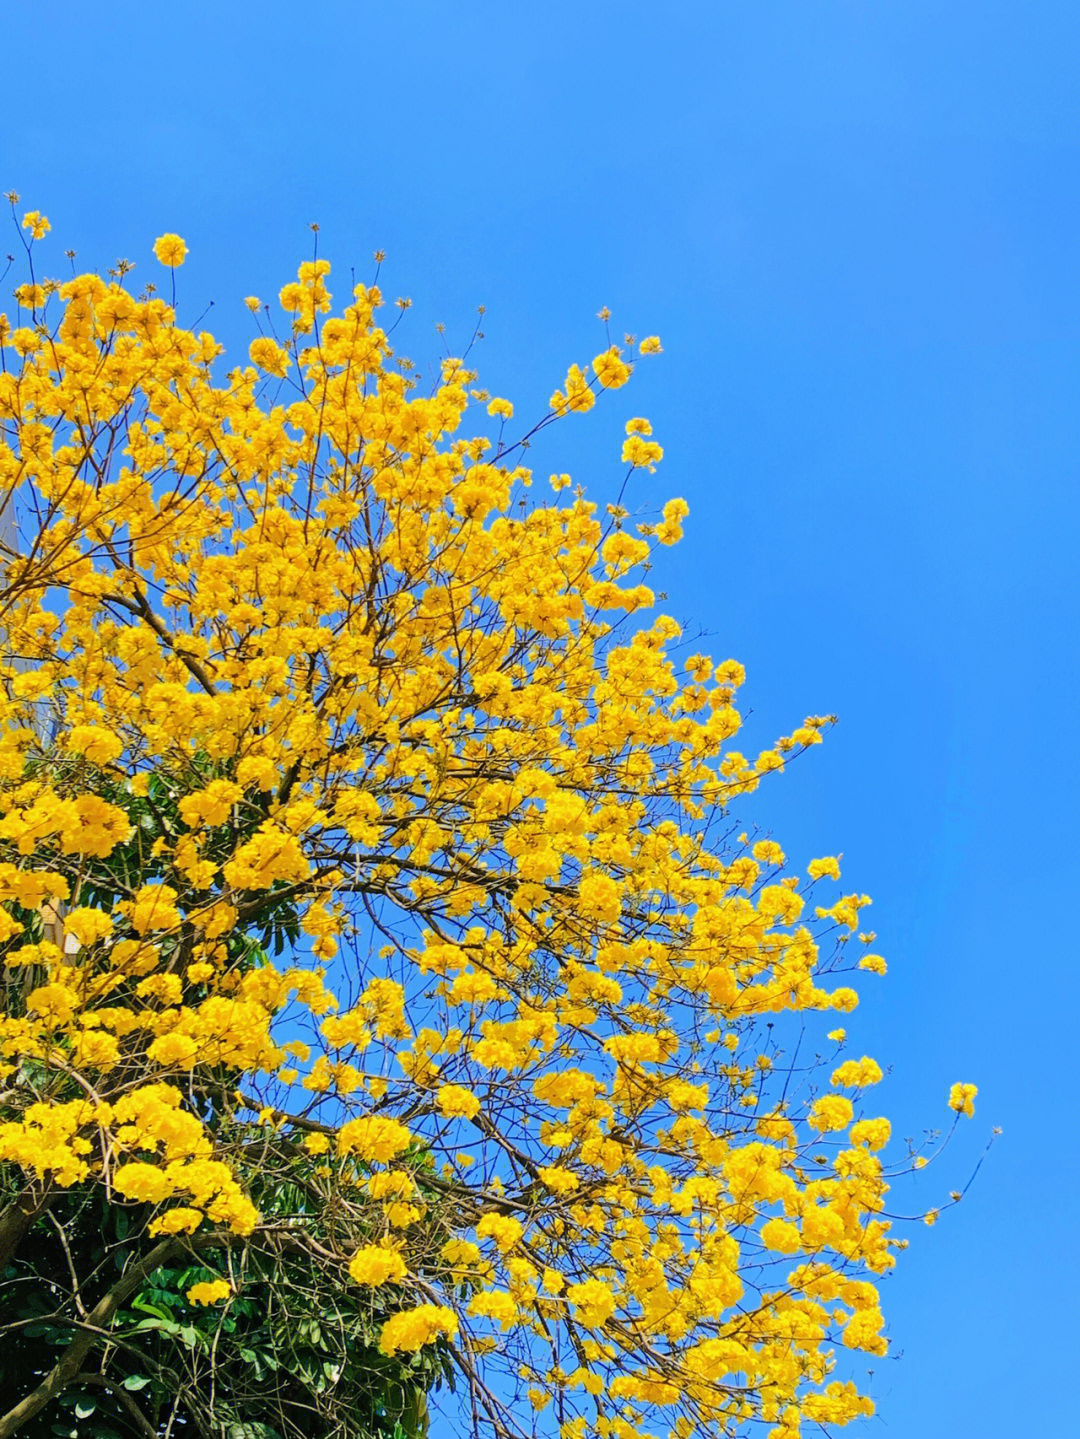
(855, 227)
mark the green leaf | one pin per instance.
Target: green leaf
(85, 1407)
(166, 1326)
(135, 1382)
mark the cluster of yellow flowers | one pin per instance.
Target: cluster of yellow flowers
(377, 684)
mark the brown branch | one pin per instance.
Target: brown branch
(16, 1220)
(140, 606)
(76, 1293)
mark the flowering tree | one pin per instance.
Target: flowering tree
(391, 996)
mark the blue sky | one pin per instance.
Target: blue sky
(855, 226)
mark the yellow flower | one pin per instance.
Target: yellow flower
(558, 1179)
(269, 356)
(962, 1099)
(873, 1133)
(611, 369)
(818, 868)
(211, 805)
(153, 908)
(642, 454)
(210, 1291)
(88, 925)
(37, 224)
(495, 1304)
(373, 1265)
(780, 1235)
(503, 1229)
(832, 1111)
(170, 250)
(93, 1049)
(857, 1073)
(598, 897)
(144, 1183)
(166, 988)
(9, 926)
(669, 531)
(579, 395)
(457, 1103)
(730, 672)
(373, 1138)
(461, 1254)
(181, 1220)
(413, 1328)
(400, 1216)
(55, 1003)
(95, 743)
(650, 345)
(174, 1050)
(593, 1302)
(861, 1332)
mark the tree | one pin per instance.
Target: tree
(392, 997)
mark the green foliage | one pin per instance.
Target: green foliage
(294, 1355)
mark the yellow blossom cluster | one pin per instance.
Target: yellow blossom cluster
(210, 1291)
(292, 646)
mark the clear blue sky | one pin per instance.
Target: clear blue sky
(855, 226)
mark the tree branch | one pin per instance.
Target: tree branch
(140, 606)
(127, 1403)
(16, 1220)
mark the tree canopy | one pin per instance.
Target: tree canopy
(395, 994)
